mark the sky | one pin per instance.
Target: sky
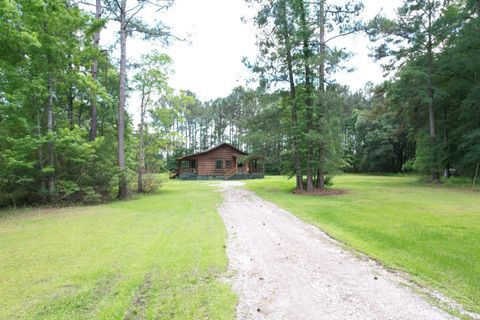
(210, 62)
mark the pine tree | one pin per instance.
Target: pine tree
(129, 22)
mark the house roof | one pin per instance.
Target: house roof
(212, 149)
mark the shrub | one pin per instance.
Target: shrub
(328, 181)
(66, 188)
(90, 196)
(151, 182)
(409, 166)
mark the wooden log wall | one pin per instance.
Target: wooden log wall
(206, 162)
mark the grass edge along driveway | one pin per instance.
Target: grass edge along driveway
(433, 233)
(156, 257)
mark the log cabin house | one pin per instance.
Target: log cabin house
(223, 161)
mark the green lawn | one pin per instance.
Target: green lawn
(431, 232)
(159, 256)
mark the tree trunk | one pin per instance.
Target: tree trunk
(70, 99)
(122, 186)
(308, 93)
(433, 135)
(141, 151)
(93, 102)
(80, 115)
(445, 136)
(40, 158)
(293, 98)
(71, 89)
(321, 93)
(431, 107)
(51, 157)
(320, 179)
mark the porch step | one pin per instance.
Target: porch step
(230, 174)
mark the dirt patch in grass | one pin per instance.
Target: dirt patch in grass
(139, 302)
(72, 300)
(321, 192)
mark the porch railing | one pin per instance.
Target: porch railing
(188, 170)
(230, 173)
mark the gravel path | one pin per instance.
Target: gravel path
(285, 268)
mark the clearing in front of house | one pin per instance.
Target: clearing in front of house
(159, 256)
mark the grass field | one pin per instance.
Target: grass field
(159, 256)
(431, 232)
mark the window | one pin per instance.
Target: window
(218, 164)
(228, 164)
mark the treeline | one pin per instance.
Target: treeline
(64, 133)
(426, 118)
(432, 49)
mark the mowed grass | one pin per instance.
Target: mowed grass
(157, 257)
(431, 232)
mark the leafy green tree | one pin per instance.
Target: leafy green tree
(45, 153)
(414, 36)
(151, 80)
(94, 70)
(458, 80)
(297, 47)
(383, 136)
(334, 21)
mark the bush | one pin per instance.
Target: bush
(408, 166)
(90, 196)
(151, 182)
(328, 181)
(66, 188)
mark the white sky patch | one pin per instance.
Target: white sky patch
(210, 65)
(365, 69)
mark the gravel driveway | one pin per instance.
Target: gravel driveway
(284, 268)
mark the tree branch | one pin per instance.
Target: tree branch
(137, 8)
(342, 35)
(118, 4)
(86, 3)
